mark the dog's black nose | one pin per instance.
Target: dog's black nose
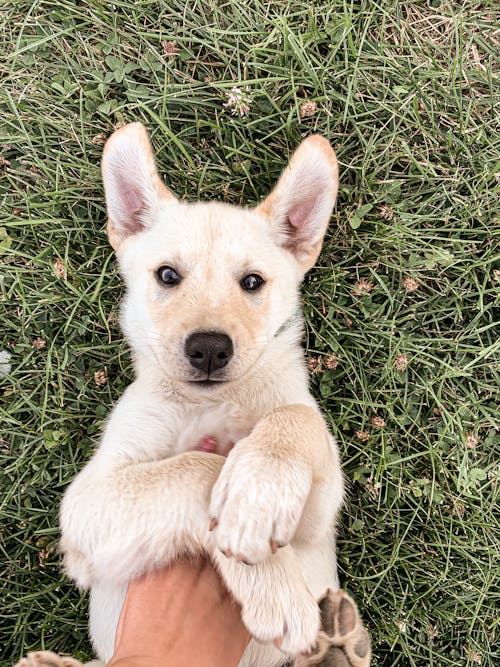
(208, 350)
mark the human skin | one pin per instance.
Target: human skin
(180, 615)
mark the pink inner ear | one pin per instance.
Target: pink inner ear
(133, 205)
(298, 222)
(300, 214)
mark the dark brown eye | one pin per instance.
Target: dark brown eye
(252, 282)
(168, 276)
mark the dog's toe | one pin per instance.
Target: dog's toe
(363, 644)
(326, 611)
(347, 615)
(47, 659)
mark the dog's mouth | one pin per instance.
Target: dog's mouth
(207, 383)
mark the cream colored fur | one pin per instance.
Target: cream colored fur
(146, 497)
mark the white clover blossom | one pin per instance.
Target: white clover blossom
(238, 101)
(5, 365)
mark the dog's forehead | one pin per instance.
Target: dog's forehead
(195, 232)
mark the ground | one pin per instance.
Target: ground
(401, 333)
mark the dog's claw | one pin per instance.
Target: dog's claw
(241, 559)
(314, 650)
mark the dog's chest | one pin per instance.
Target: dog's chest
(213, 429)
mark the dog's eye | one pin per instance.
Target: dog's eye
(168, 276)
(252, 282)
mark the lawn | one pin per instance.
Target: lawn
(402, 334)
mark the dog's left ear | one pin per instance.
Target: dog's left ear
(132, 185)
(300, 205)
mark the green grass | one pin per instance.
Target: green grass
(406, 94)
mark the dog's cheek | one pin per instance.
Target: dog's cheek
(138, 325)
(285, 303)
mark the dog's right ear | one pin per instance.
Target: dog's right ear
(301, 203)
(132, 185)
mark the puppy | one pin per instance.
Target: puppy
(212, 315)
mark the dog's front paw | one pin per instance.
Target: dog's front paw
(292, 625)
(343, 640)
(276, 604)
(47, 659)
(257, 503)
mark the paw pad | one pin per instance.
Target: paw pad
(342, 640)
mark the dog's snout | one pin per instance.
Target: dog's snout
(208, 350)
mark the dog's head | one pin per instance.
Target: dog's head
(211, 286)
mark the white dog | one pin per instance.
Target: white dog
(212, 314)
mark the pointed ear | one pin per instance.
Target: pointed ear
(132, 185)
(300, 206)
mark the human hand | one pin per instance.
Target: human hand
(180, 615)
